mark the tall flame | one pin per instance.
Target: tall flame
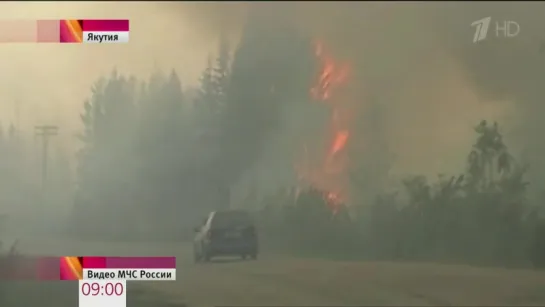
(331, 174)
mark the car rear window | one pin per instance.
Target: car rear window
(230, 219)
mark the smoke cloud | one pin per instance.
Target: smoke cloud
(418, 59)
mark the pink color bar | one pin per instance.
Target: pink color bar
(48, 268)
(141, 262)
(106, 25)
(18, 31)
(94, 263)
(48, 31)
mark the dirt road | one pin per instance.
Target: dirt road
(282, 281)
(304, 282)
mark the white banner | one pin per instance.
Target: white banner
(96, 37)
(129, 274)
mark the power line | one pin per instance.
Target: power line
(45, 132)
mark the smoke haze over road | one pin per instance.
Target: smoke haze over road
(419, 55)
(309, 114)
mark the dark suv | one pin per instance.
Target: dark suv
(226, 233)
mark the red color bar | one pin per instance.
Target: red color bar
(141, 262)
(106, 25)
(94, 263)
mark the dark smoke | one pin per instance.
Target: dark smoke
(419, 60)
(271, 69)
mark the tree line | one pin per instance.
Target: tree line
(156, 158)
(482, 216)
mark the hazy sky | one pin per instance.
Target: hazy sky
(51, 80)
(401, 52)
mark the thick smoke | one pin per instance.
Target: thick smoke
(501, 68)
(420, 63)
(420, 59)
(417, 61)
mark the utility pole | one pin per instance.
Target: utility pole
(45, 132)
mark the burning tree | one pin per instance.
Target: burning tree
(276, 71)
(330, 172)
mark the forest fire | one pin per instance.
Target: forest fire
(331, 173)
(332, 75)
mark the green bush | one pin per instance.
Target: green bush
(305, 222)
(479, 217)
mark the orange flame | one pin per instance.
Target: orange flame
(331, 79)
(339, 142)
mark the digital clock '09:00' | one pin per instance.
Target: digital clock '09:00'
(104, 293)
(107, 289)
